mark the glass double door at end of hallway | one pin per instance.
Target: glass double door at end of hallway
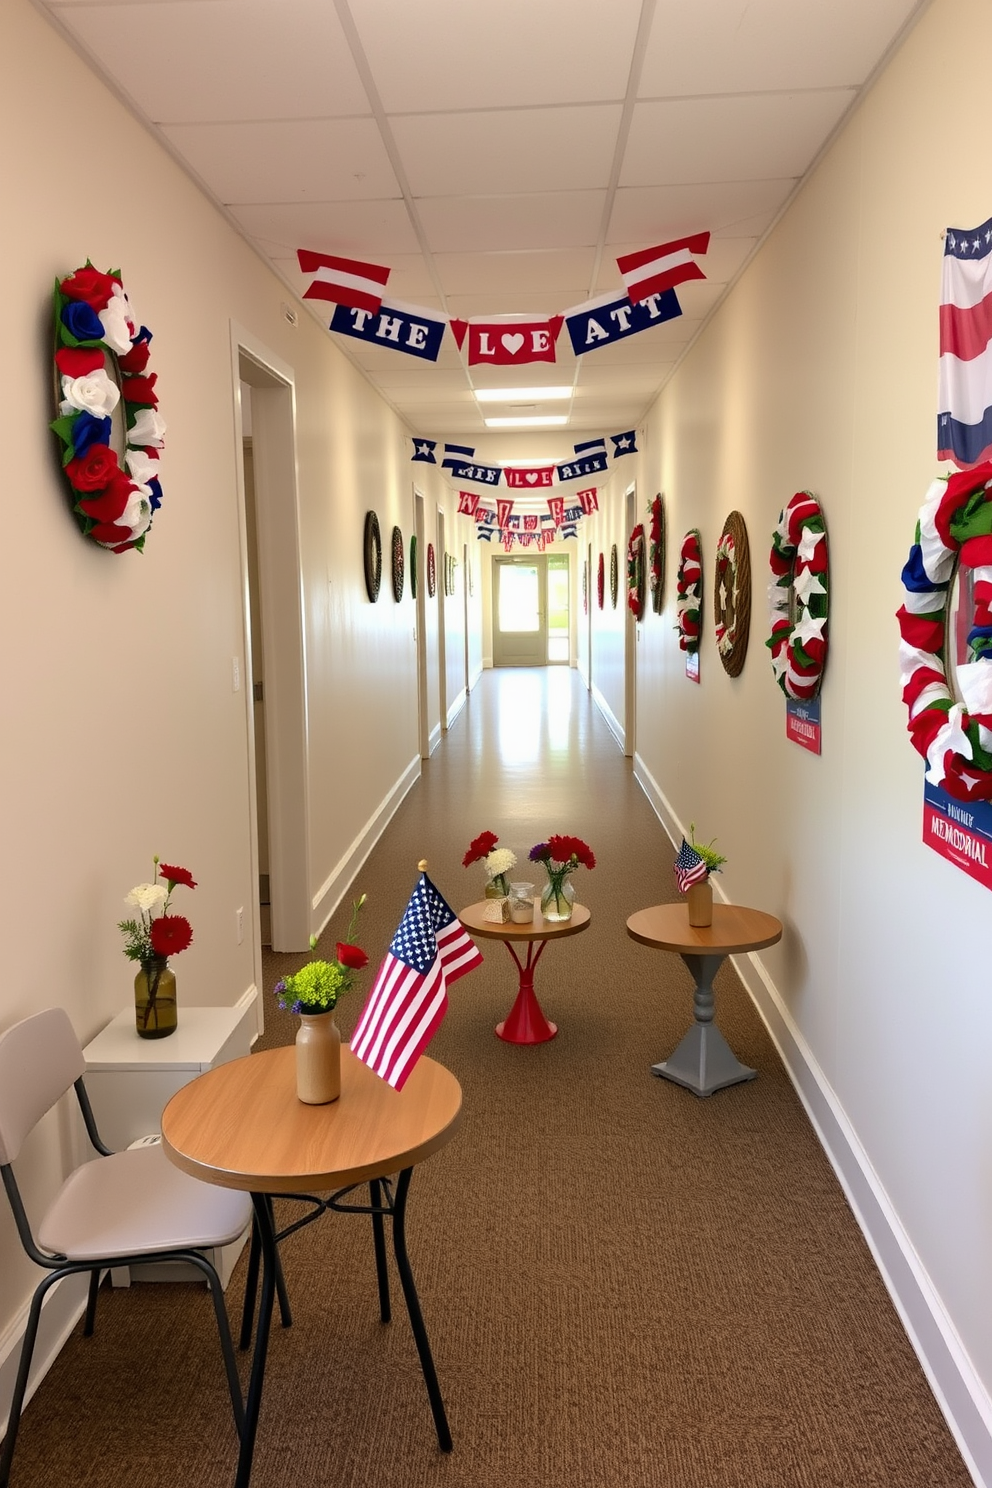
(522, 635)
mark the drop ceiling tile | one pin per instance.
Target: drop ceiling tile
(729, 139)
(653, 214)
(510, 274)
(476, 224)
(452, 55)
(734, 46)
(371, 231)
(507, 150)
(517, 305)
(399, 378)
(223, 59)
(315, 160)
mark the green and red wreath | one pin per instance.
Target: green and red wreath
(954, 530)
(656, 552)
(798, 597)
(689, 592)
(601, 581)
(635, 572)
(101, 363)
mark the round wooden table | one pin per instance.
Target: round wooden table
(525, 1023)
(704, 1061)
(241, 1126)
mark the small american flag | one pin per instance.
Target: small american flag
(690, 868)
(409, 998)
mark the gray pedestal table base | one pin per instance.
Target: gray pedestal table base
(704, 1061)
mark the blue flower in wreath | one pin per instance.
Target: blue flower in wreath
(88, 430)
(82, 321)
(156, 494)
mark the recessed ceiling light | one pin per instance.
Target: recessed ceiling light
(552, 422)
(522, 395)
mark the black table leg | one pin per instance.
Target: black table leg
(379, 1241)
(416, 1316)
(270, 1263)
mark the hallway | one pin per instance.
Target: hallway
(624, 1286)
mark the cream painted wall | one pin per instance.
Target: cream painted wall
(123, 735)
(819, 372)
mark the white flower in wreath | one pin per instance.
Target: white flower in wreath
(805, 584)
(138, 513)
(147, 429)
(807, 545)
(117, 321)
(141, 467)
(95, 393)
(951, 736)
(778, 598)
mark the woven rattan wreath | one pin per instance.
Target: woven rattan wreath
(398, 556)
(614, 576)
(955, 738)
(636, 581)
(601, 581)
(689, 591)
(585, 587)
(798, 598)
(373, 556)
(732, 594)
(431, 571)
(656, 553)
(413, 566)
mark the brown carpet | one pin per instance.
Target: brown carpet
(624, 1286)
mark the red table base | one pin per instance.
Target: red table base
(526, 1023)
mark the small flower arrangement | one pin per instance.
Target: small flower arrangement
(316, 987)
(714, 861)
(155, 933)
(561, 856)
(498, 861)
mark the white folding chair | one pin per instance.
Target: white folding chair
(121, 1210)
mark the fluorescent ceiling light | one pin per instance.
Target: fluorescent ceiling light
(527, 423)
(522, 395)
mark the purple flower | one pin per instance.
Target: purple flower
(539, 852)
(279, 987)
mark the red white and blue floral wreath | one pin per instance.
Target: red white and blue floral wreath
(955, 738)
(94, 324)
(798, 597)
(689, 592)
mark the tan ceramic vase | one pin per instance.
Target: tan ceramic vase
(699, 902)
(318, 1059)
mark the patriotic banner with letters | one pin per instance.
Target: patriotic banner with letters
(556, 506)
(611, 317)
(467, 503)
(530, 480)
(508, 343)
(400, 327)
(346, 281)
(423, 450)
(504, 507)
(588, 500)
(624, 444)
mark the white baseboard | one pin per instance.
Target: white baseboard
(335, 886)
(613, 723)
(62, 1309)
(958, 1389)
(434, 738)
(456, 707)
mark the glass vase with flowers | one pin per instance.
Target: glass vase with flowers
(150, 938)
(561, 855)
(312, 993)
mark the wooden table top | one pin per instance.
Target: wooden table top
(537, 929)
(734, 928)
(241, 1125)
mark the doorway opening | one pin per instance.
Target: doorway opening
(531, 611)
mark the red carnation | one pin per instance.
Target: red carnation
(140, 390)
(91, 286)
(352, 955)
(109, 505)
(170, 934)
(173, 876)
(136, 359)
(563, 849)
(108, 533)
(78, 361)
(480, 847)
(94, 470)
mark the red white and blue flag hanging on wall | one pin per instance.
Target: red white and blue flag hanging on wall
(964, 416)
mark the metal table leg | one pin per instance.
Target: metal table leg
(703, 1061)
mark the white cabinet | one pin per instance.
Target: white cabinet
(130, 1081)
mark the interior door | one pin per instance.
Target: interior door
(520, 612)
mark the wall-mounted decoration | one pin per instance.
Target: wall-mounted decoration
(101, 360)
(470, 579)
(732, 594)
(373, 556)
(945, 656)
(689, 601)
(798, 598)
(614, 576)
(636, 572)
(398, 555)
(656, 554)
(601, 581)
(413, 566)
(585, 586)
(431, 571)
(449, 573)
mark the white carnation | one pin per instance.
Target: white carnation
(117, 321)
(500, 860)
(149, 898)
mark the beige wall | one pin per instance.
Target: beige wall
(819, 372)
(123, 735)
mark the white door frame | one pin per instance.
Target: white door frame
(629, 638)
(283, 641)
